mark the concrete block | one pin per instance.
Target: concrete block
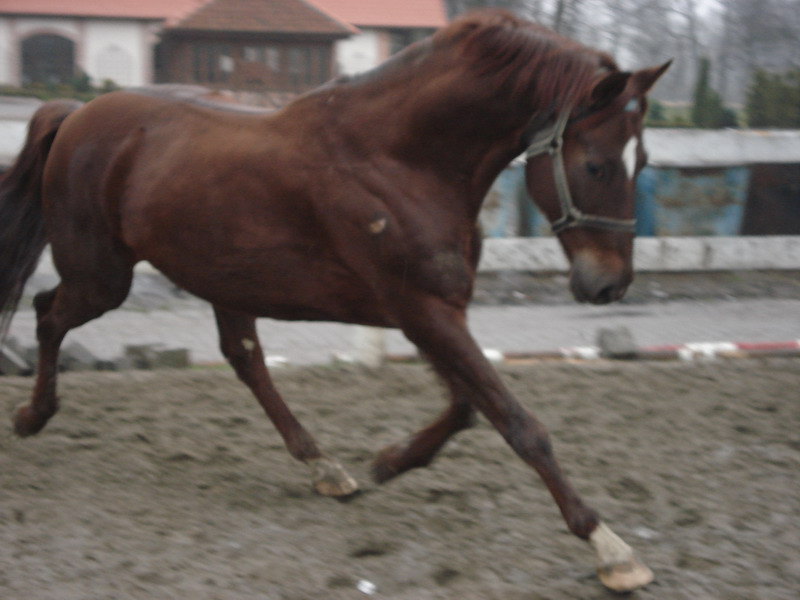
(616, 342)
(31, 355)
(175, 358)
(143, 356)
(11, 363)
(13, 343)
(105, 365)
(122, 363)
(76, 357)
(369, 346)
(154, 356)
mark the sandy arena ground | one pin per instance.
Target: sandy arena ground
(154, 485)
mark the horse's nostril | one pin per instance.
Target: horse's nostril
(597, 283)
(606, 295)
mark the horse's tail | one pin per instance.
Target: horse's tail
(22, 232)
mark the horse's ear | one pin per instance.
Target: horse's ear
(646, 78)
(608, 89)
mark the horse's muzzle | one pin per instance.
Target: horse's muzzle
(598, 281)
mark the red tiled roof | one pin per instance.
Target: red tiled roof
(273, 16)
(249, 15)
(387, 13)
(132, 9)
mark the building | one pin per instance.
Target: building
(384, 27)
(252, 45)
(255, 45)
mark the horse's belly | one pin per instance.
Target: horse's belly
(291, 288)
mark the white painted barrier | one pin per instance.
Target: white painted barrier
(658, 254)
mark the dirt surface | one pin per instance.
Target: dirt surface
(171, 484)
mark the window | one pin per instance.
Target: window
(212, 62)
(272, 58)
(269, 56)
(271, 66)
(309, 66)
(254, 53)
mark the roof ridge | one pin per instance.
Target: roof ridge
(313, 5)
(176, 18)
(276, 16)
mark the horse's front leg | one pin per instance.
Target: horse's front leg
(439, 330)
(239, 343)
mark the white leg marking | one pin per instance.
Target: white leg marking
(611, 549)
(617, 567)
(629, 156)
(330, 478)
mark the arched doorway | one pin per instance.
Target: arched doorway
(48, 59)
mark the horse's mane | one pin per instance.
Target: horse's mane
(511, 56)
(527, 57)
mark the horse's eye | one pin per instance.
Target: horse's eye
(595, 170)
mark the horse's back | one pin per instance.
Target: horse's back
(221, 202)
(126, 150)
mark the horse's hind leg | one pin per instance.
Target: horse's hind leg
(420, 448)
(239, 344)
(72, 303)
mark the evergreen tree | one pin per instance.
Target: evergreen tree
(774, 100)
(758, 103)
(656, 115)
(707, 109)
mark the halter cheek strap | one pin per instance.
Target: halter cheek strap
(550, 141)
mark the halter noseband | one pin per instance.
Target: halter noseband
(550, 141)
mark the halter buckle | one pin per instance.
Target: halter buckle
(551, 141)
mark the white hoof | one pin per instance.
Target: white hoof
(625, 577)
(330, 478)
(617, 567)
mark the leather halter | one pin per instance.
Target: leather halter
(550, 141)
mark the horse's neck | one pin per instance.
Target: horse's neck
(430, 129)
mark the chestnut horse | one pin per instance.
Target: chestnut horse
(356, 203)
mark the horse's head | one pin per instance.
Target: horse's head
(581, 172)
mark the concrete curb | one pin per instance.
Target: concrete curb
(689, 352)
(692, 351)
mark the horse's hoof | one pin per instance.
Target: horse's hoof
(27, 422)
(625, 577)
(330, 478)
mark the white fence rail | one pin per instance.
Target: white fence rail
(779, 252)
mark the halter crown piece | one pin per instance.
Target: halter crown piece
(550, 141)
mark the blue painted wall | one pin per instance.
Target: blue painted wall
(669, 202)
(682, 201)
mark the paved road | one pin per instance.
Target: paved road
(531, 328)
